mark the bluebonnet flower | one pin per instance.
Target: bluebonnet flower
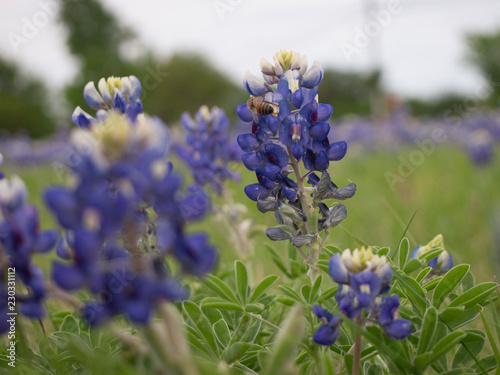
(301, 133)
(20, 239)
(343, 266)
(364, 280)
(120, 94)
(126, 211)
(208, 149)
(440, 264)
(289, 133)
(395, 328)
(480, 147)
(327, 333)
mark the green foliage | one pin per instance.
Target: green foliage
(351, 92)
(184, 82)
(485, 54)
(23, 103)
(96, 38)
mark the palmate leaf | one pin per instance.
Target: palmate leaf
(220, 287)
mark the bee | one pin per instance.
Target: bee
(260, 107)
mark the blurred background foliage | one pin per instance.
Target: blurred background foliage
(23, 104)
(103, 46)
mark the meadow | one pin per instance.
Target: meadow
(447, 193)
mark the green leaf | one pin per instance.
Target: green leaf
(460, 371)
(285, 300)
(287, 341)
(222, 333)
(468, 282)
(278, 261)
(475, 343)
(70, 325)
(372, 369)
(348, 360)
(381, 250)
(448, 283)
(413, 290)
(489, 363)
(491, 340)
(201, 322)
(377, 341)
(422, 274)
(220, 287)
(421, 361)
(263, 286)
(447, 343)
(412, 265)
(465, 317)
(431, 254)
(305, 291)
(429, 324)
(292, 293)
(331, 250)
(403, 251)
(254, 307)
(315, 288)
(328, 294)
(236, 351)
(474, 295)
(219, 303)
(451, 313)
(252, 331)
(241, 276)
(433, 283)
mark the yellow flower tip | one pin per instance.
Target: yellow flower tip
(113, 134)
(287, 58)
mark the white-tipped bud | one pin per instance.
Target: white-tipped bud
(13, 193)
(266, 67)
(104, 90)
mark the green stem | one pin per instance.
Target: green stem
(254, 316)
(300, 183)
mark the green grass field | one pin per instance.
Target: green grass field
(448, 193)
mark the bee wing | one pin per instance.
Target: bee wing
(255, 117)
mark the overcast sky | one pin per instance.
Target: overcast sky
(419, 46)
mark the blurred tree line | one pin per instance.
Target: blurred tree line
(23, 104)
(184, 82)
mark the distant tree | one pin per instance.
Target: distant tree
(350, 92)
(484, 53)
(96, 38)
(450, 103)
(171, 86)
(185, 82)
(22, 103)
